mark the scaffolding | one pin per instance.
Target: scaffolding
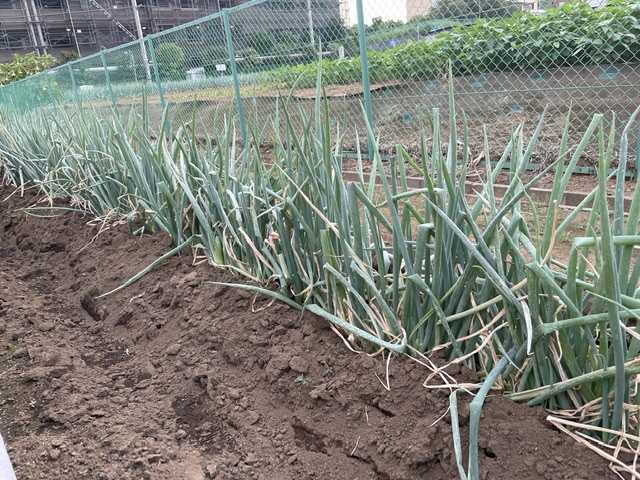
(76, 28)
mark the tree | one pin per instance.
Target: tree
(130, 67)
(332, 30)
(171, 62)
(464, 9)
(263, 43)
(22, 66)
(208, 56)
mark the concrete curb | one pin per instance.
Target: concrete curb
(569, 199)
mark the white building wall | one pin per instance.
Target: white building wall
(416, 8)
(385, 10)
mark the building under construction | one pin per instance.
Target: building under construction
(80, 27)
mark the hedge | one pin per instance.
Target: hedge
(574, 34)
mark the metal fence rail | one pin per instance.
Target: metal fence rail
(388, 60)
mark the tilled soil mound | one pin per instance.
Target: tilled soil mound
(175, 378)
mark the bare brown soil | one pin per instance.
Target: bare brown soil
(175, 378)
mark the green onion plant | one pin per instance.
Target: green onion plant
(409, 270)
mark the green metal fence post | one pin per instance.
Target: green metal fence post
(156, 73)
(74, 85)
(364, 60)
(231, 51)
(638, 155)
(108, 79)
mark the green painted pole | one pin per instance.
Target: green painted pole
(44, 91)
(108, 79)
(364, 60)
(12, 96)
(74, 85)
(638, 156)
(156, 74)
(236, 80)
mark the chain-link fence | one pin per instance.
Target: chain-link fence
(245, 66)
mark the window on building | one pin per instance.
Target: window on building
(59, 37)
(117, 37)
(4, 4)
(187, 4)
(287, 5)
(16, 39)
(85, 35)
(154, 3)
(49, 3)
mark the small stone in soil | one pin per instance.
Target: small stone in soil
(320, 392)
(211, 470)
(56, 442)
(190, 279)
(252, 417)
(15, 336)
(147, 371)
(44, 325)
(234, 393)
(20, 353)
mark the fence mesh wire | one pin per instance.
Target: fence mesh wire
(510, 60)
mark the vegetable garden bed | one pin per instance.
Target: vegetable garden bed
(177, 379)
(394, 268)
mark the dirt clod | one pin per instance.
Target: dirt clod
(90, 305)
(299, 364)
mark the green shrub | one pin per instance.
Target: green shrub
(22, 66)
(67, 56)
(405, 32)
(208, 57)
(574, 34)
(263, 43)
(130, 67)
(171, 61)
